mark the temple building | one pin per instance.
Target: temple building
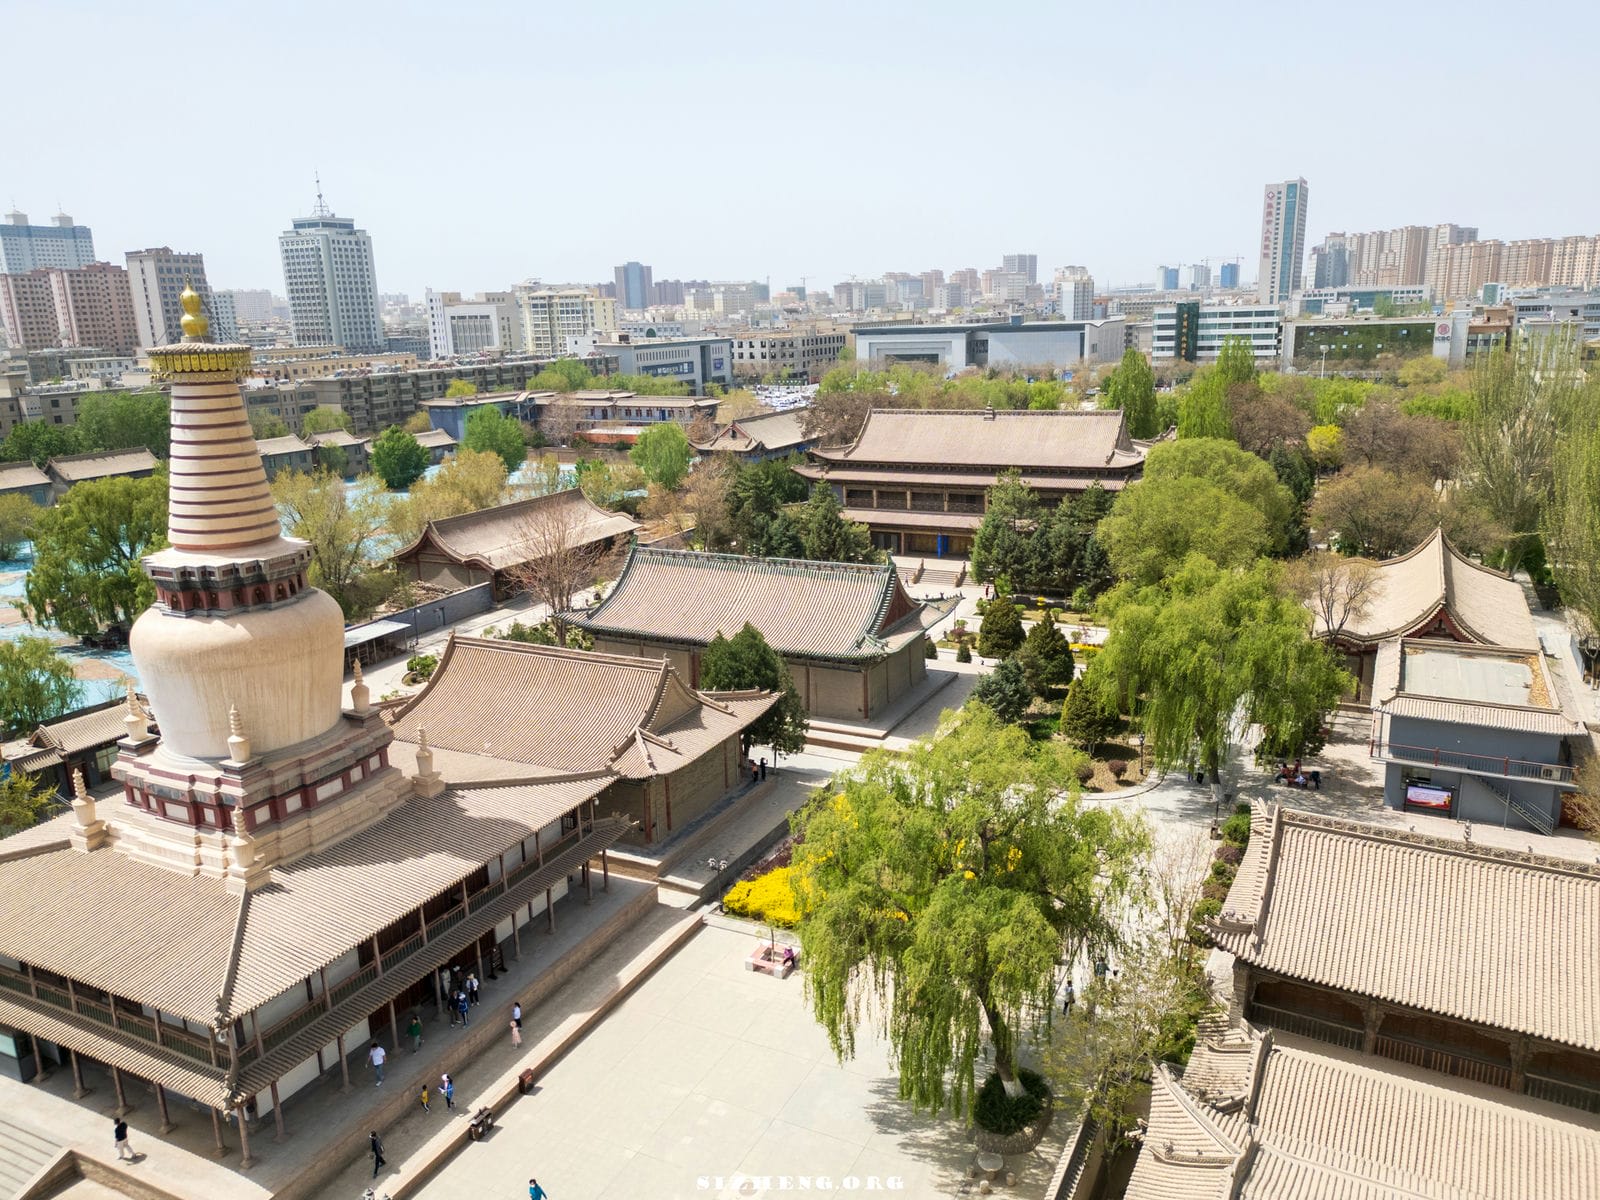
(852, 637)
(762, 436)
(917, 478)
(498, 544)
(281, 877)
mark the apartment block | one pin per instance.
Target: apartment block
(791, 354)
(549, 316)
(157, 278)
(25, 247)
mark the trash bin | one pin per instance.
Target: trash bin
(525, 1081)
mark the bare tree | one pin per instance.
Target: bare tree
(558, 420)
(1337, 589)
(558, 557)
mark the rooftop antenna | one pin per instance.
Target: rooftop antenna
(322, 209)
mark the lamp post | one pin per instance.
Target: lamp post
(1323, 372)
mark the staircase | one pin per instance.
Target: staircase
(933, 572)
(1532, 816)
(23, 1154)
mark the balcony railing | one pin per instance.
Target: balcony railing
(135, 1025)
(1558, 1091)
(1446, 1062)
(1336, 1032)
(1477, 764)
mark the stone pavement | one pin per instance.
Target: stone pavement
(384, 677)
(709, 1072)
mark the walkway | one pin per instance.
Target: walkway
(706, 1073)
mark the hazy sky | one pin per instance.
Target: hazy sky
(483, 143)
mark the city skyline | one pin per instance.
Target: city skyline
(1143, 208)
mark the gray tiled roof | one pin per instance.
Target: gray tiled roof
(508, 535)
(18, 475)
(1065, 439)
(1484, 935)
(763, 431)
(804, 609)
(75, 468)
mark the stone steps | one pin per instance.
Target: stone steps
(23, 1154)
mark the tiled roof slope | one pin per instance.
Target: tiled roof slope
(1486, 605)
(1515, 946)
(287, 444)
(1185, 1156)
(74, 734)
(75, 468)
(434, 439)
(769, 431)
(804, 609)
(1024, 438)
(509, 534)
(559, 710)
(17, 475)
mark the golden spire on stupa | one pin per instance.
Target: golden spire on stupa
(195, 325)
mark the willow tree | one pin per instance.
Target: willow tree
(1209, 649)
(938, 889)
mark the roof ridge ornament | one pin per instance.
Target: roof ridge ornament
(194, 322)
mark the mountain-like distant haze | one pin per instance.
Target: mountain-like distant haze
(483, 143)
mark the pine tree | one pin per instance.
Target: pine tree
(744, 661)
(1005, 692)
(1045, 658)
(1000, 633)
(1084, 717)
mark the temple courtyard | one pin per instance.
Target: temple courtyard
(710, 1081)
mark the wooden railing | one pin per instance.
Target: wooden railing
(1559, 1091)
(1336, 1032)
(1446, 1062)
(134, 1025)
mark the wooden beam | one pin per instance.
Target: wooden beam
(161, 1103)
(277, 1112)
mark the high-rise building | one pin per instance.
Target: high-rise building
(157, 278)
(1166, 279)
(224, 321)
(1021, 264)
(666, 292)
(332, 285)
(633, 285)
(86, 306)
(1077, 298)
(550, 316)
(474, 325)
(25, 247)
(1330, 262)
(1230, 275)
(249, 304)
(1199, 276)
(1283, 240)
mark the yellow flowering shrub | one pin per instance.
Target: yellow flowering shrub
(767, 898)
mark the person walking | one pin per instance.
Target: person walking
(447, 1089)
(1068, 1000)
(516, 1034)
(414, 1032)
(375, 1144)
(377, 1056)
(472, 988)
(119, 1136)
(424, 1098)
(535, 1192)
(516, 1013)
(461, 1008)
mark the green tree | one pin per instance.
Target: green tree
(1005, 692)
(1086, 717)
(1203, 410)
(325, 419)
(608, 483)
(1206, 646)
(87, 551)
(398, 458)
(1236, 362)
(746, 661)
(1236, 472)
(467, 481)
(1571, 521)
(1003, 543)
(1000, 631)
(36, 685)
(18, 516)
(264, 425)
(119, 420)
(825, 536)
(24, 801)
(1046, 658)
(755, 498)
(490, 429)
(39, 441)
(1158, 524)
(939, 887)
(344, 528)
(460, 388)
(334, 460)
(1132, 388)
(563, 375)
(662, 453)
(418, 422)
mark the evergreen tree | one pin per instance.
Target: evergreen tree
(1000, 632)
(1005, 691)
(826, 536)
(1003, 544)
(746, 661)
(1086, 720)
(1046, 658)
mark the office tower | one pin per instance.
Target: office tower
(1330, 262)
(224, 321)
(157, 278)
(633, 285)
(491, 321)
(250, 304)
(1166, 279)
(1077, 298)
(333, 288)
(1021, 264)
(1283, 240)
(25, 247)
(549, 316)
(666, 292)
(1199, 276)
(1230, 275)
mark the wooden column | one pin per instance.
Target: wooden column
(377, 956)
(161, 1104)
(245, 1161)
(277, 1112)
(255, 1031)
(327, 996)
(216, 1132)
(123, 1107)
(1371, 1018)
(588, 884)
(550, 910)
(72, 997)
(394, 1026)
(159, 1042)
(605, 873)
(78, 1090)
(344, 1063)
(1520, 1049)
(516, 939)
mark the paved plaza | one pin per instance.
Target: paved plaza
(709, 1072)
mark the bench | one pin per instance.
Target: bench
(777, 961)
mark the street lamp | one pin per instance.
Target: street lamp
(1323, 374)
